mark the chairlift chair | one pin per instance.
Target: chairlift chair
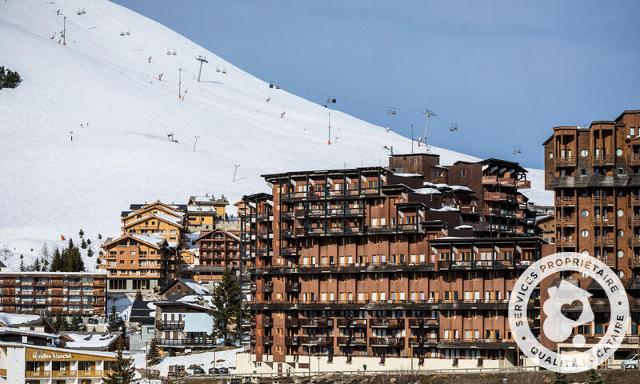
(391, 112)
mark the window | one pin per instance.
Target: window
(584, 233)
(583, 172)
(584, 152)
(620, 213)
(584, 213)
(632, 131)
(618, 152)
(463, 173)
(620, 253)
(551, 155)
(620, 233)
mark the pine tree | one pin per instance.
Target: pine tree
(22, 269)
(226, 300)
(89, 252)
(36, 265)
(560, 378)
(153, 354)
(99, 236)
(77, 324)
(122, 370)
(138, 296)
(115, 323)
(45, 265)
(57, 264)
(81, 233)
(83, 244)
(594, 377)
(61, 324)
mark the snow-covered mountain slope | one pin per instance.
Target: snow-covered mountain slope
(103, 85)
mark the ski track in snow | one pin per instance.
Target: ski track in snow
(51, 186)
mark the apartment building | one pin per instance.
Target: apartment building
(136, 262)
(157, 243)
(595, 174)
(54, 293)
(219, 250)
(368, 268)
(204, 211)
(502, 209)
(35, 364)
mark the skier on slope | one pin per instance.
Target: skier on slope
(160, 76)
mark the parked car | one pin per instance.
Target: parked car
(630, 362)
(223, 371)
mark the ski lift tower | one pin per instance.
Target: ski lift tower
(201, 59)
(429, 114)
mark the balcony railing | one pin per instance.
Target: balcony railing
(386, 323)
(170, 325)
(292, 287)
(352, 323)
(386, 341)
(316, 323)
(354, 341)
(565, 161)
(315, 340)
(603, 159)
(495, 196)
(428, 322)
(186, 342)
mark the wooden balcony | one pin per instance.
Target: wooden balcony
(67, 373)
(603, 160)
(495, 196)
(426, 323)
(187, 342)
(566, 200)
(292, 287)
(605, 241)
(38, 374)
(90, 373)
(634, 159)
(565, 161)
(316, 340)
(316, 323)
(352, 323)
(352, 341)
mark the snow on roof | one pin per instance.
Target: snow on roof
(408, 174)
(164, 216)
(428, 184)
(201, 208)
(151, 238)
(445, 208)
(427, 191)
(442, 186)
(9, 330)
(464, 226)
(16, 319)
(197, 288)
(91, 340)
(461, 188)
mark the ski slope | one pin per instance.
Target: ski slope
(104, 87)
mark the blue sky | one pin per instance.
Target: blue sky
(505, 71)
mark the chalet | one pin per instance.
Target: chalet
(137, 262)
(183, 325)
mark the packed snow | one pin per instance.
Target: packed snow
(225, 359)
(98, 124)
